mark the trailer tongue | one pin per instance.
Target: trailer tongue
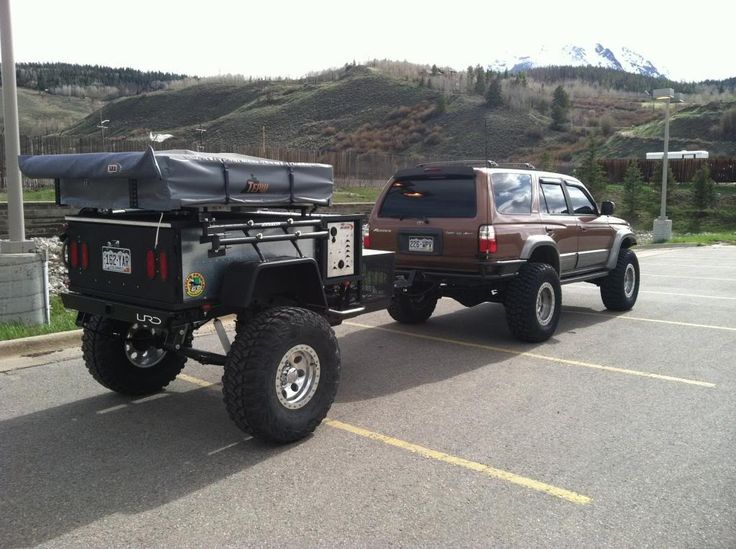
(168, 241)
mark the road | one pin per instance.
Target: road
(619, 431)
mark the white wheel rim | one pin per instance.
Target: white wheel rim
(140, 348)
(629, 280)
(545, 308)
(297, 377)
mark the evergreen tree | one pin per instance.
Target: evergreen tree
(704, 189)
(493, 96)
(590, 172)
(441, 104)
(560, 108)
(480, 80)
(632, 189)
(470, 76)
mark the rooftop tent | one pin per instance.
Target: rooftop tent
(170, 180)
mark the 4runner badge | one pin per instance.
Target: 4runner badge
(194, 284)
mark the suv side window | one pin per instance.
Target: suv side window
(581, 202)
(512, 193)
(552, 198)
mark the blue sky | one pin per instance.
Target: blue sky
(292, 38)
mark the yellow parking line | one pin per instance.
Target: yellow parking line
(429, 453)
(655, 320)
(486, 470)
(565, 361)
(195, 380)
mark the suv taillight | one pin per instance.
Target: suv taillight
(366, 236)
(487, 239)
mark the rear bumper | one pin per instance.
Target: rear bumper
(132, 313)
(488, 272)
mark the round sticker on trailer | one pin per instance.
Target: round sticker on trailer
(194, 284)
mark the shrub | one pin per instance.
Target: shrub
(704, 189)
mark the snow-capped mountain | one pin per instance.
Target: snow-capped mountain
(597, 55)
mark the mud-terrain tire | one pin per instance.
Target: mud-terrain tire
(620, 288)
(533, 301)
(110, 348)
(409, 310)
(281, 374)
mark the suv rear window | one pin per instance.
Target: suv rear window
(424, 198)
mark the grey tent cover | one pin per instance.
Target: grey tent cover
(170, 180)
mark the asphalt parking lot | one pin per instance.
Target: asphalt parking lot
(619, 431)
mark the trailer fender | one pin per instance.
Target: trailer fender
(291, 280)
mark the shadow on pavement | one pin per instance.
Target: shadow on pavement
(126, 461)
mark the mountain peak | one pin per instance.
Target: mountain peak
(596, 55)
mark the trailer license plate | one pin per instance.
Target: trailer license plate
(421, 244)
(116, 260)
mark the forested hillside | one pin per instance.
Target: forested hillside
(547, 115)
(95, 81)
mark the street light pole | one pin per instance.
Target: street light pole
(662, 230)
(16, 218)
(665, 163)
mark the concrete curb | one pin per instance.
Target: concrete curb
(40, 343)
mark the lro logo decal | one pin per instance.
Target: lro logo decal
(148, 319)
(194, 284)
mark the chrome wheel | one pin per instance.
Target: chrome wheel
(629, 280)
(545, 304)
(297, 377)
(143, 346)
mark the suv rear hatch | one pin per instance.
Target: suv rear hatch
(431, 217)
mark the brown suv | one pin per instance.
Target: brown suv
(510, 235)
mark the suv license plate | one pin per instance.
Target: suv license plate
(421, 244)
(116, 260)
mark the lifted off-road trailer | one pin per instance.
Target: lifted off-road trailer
(166, 242)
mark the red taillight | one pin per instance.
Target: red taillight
(74, 254)
(150, 264)
(163, 266)
(366, 236)
(487, 239)
(85, 255)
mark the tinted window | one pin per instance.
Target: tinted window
(553, 198)
(512, 192)
(580, 202)
(422, 198)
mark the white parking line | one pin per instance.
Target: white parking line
(692, 277)
(213, 452)
(595, 289)
(112, 409)
(151, 397)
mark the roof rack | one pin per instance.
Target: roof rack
(524, 165)
(479, 164)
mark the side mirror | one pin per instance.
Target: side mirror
(607, 207)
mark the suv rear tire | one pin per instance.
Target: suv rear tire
(410, 310)
(533, 302)
(620, 288)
